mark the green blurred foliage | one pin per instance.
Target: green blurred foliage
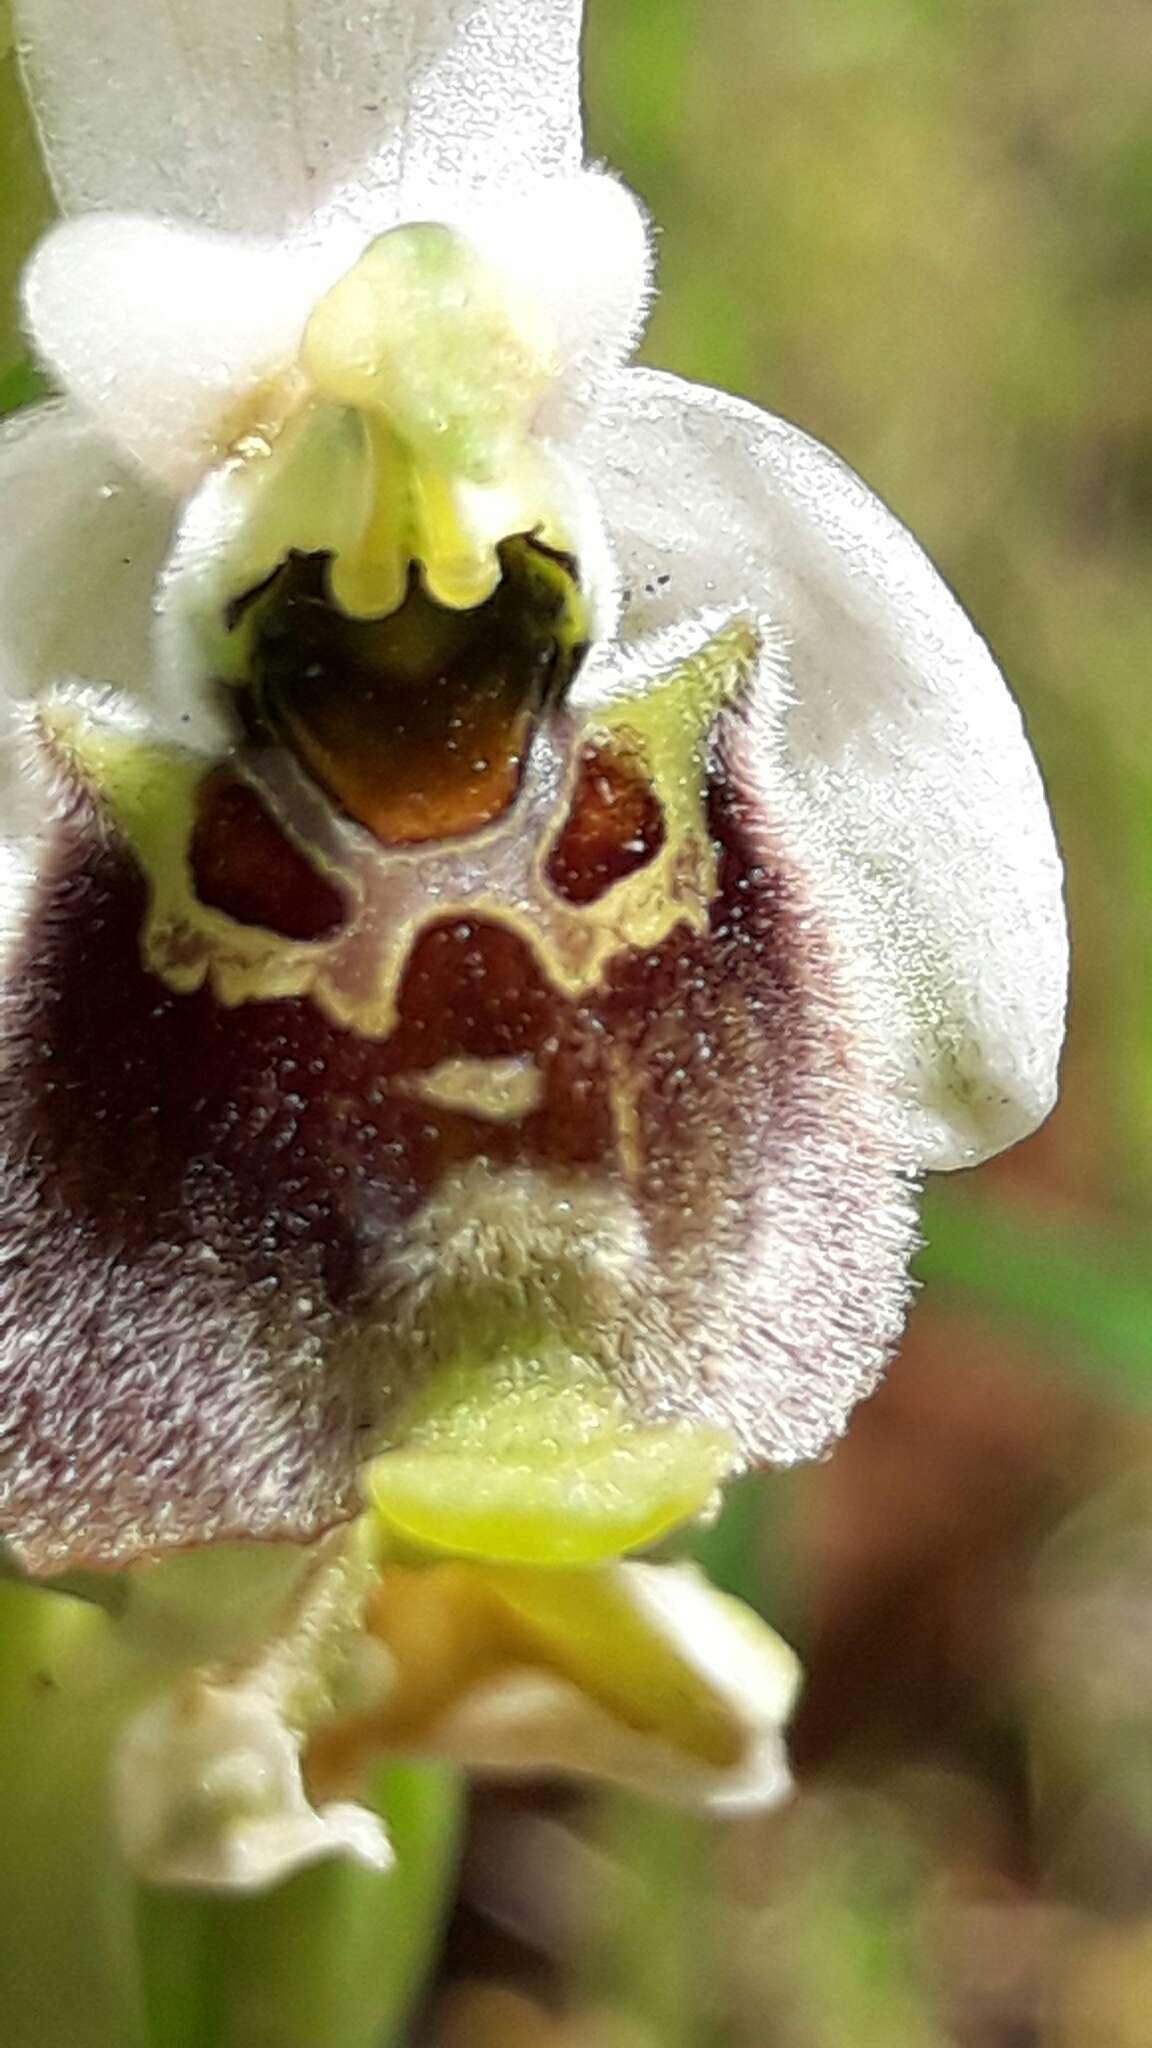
(25, 206)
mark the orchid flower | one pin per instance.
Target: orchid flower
(515, 863)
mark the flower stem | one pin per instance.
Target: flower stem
(68, 1958)
(337, 1955)
(89, 1958)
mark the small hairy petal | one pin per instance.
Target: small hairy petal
(252, 117)
(902, 735)
(163, 334)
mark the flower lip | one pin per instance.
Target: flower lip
(419, 724)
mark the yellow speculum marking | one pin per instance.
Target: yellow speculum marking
(623, 1090)
(149, 790)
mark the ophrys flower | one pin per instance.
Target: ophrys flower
(516, 860)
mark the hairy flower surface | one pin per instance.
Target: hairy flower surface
(515, 861)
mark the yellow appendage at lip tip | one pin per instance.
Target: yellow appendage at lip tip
(534, 1465)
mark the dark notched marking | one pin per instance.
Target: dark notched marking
(267, 1126)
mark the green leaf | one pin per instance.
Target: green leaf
(20, 386)
(25, 204)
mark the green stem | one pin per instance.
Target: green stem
(68, 1959)
(334, 1958)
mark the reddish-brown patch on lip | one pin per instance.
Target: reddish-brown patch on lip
(615, 824)
(243, 864)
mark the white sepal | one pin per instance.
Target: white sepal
(253, 117)
(168, 336)
(902, 738)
